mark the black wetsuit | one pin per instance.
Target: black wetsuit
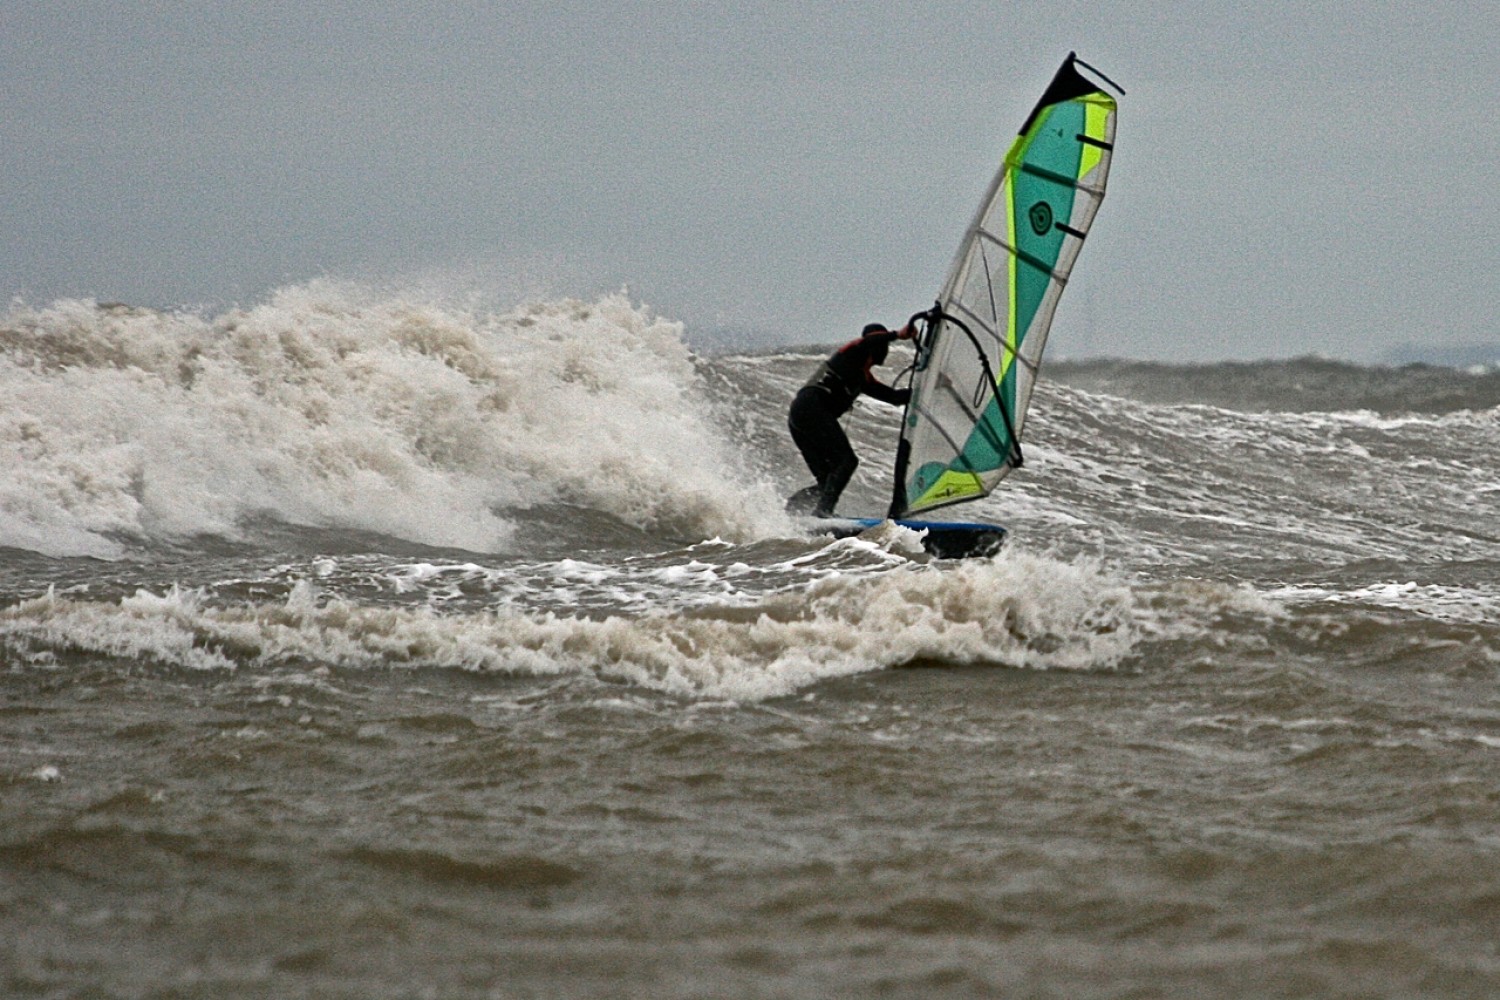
(814, 418)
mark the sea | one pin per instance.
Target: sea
(366, 644)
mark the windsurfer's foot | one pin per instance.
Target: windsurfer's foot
(804, 502)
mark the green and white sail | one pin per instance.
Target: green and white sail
(978, 358)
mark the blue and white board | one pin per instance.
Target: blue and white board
(944, 539)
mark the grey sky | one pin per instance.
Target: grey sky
(1290, 178)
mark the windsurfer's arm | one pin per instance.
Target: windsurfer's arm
(884, 393)
(873, 386)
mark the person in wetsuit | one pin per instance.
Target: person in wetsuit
(814, 415)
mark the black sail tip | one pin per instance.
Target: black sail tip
(1067, 84)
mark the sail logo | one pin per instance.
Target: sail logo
(1041, 218)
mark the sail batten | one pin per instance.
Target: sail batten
(991, 321)
(1047, 175)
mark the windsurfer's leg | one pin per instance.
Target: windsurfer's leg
(825, 447)
(841, 469)
(817, 434)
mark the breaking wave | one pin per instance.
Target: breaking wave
(332, 405)
(1022, 611)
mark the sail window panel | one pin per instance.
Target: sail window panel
(987, 296)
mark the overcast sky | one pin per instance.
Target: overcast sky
(1289, 177)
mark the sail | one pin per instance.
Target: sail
(978, 358)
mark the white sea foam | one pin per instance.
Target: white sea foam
(1475, 605)
(1018, 611)
(333, 405)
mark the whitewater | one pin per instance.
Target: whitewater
(371, 643)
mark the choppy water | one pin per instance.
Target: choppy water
(357, 645)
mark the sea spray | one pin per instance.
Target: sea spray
(333, 406)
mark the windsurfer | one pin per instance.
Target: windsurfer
(814, 415)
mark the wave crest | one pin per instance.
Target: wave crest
(332, 405)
